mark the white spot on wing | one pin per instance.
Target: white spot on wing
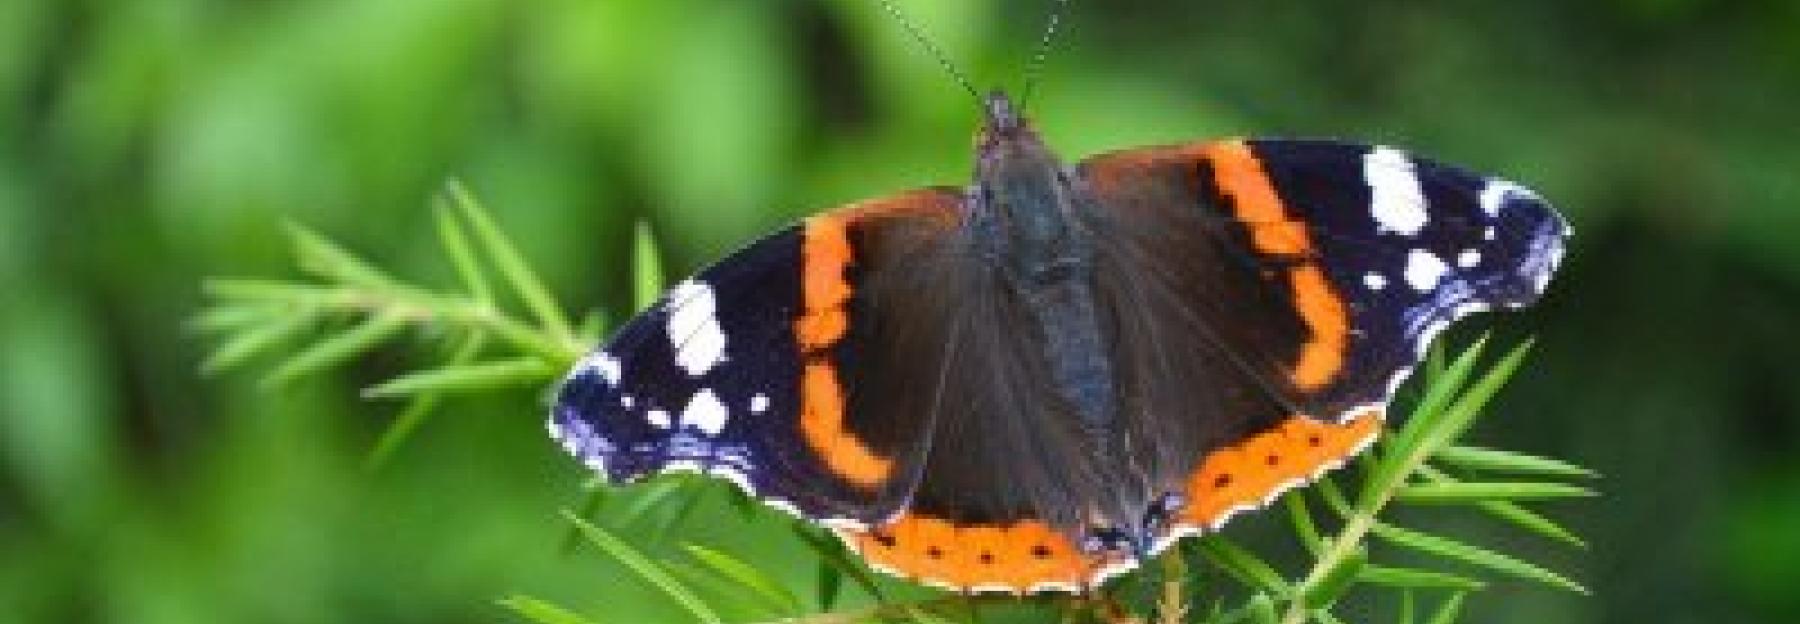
(705, 412)
(1423, 270)
(1553, 257)
(1468, 258)
(1495, 194)
(694, 329)
(604, 364)
(1374, 281)
(658, 418)
(1396, 201)
(759, 403)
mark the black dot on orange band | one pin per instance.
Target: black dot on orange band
(884, 539)
(934, 552)
(1224, 481)
(1314, 440)
(987, 558)
(1040, 551)
(1274, 460)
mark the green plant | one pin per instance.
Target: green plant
(519, 336)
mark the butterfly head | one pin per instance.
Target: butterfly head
(999, 114)
(1007, 143)
(1002, 122)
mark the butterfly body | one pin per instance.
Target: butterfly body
(1047, 376)
(1031, 222)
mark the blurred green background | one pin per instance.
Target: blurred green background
(146, 144)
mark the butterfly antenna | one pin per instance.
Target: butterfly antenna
(1035, 68)
(931, 48)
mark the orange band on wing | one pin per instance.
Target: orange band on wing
(822, 423)
(825, 293)
(824, 288)
(1018, 557)
(1323, 312)
(1239, 174)
(1293, 453)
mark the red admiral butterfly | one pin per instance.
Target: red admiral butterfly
(1048, 376)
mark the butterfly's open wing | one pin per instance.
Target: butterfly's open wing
(862, 370)
(1328, 268)
(741, 370)
(870, 368)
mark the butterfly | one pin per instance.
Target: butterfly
(1046, 377)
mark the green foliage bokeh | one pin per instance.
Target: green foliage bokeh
(146, 143)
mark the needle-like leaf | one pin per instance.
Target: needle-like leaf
(420, 406)
(1456, 418)
(337, 349)
(1302, 519)
(645, 569)
(833, 553)
(747, 576)
(646, 267)
(541, 612)
(1240, 564)
(511, 265)
(1514, 514)
(1333, 582)
(830, 585)
(455, 241)
(320, 256)
(1460, 493)
(1412, 578)
(1402, 445)
(466, 378)
(1491, 460)
(650, 496)
(234, 317)
(1451, 609)
(251, 342)
(1446, 547)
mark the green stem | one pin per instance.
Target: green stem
(420, 307)
(1172, 605)
(1349, 539)
(1346, 543)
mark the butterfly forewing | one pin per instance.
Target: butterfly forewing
(736, 372)
(1372, 250)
